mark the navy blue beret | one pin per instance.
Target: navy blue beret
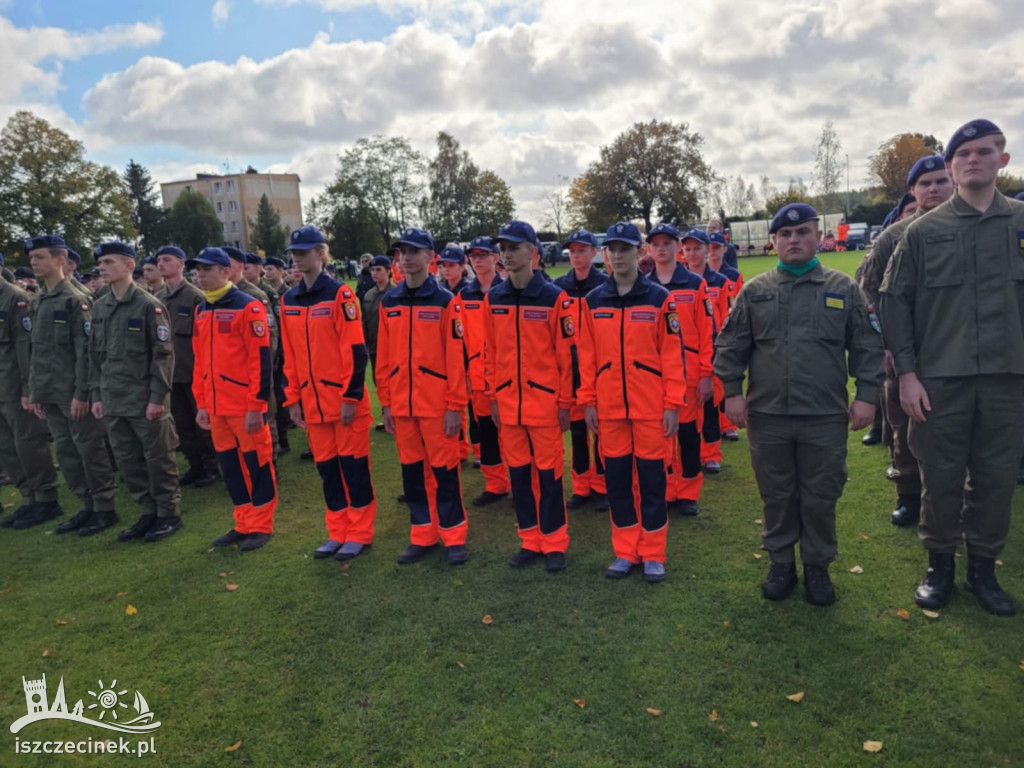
(696, 234)
(44, 241)
(791, 215)
(253, 258)
(24, 273)
(582, 236)
(171, 249)
(233, 253)
(274, 261)
(149, 260)
(623, 232)
(112, 247)
(923, 166)
(663, 229)
(975, 129)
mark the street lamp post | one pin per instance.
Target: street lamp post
(847, 187)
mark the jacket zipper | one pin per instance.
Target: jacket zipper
(309, 356)
(213, 330)
(519, 361)
(622, 351)
(412, 326)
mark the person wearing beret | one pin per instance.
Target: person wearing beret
(151, 275)
(131, 358)
(59, 387)
(717, 248)
(928, 184)
(799, 332)
(181, 298)
(275, 269)
(365, 280)
(71, 265)
(952, 309)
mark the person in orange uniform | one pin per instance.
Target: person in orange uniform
(696, 323)
(528, 368)
(717, 250)
(231, 384)
(421, 385)
(632, 386)
(695, 252)
(451, 274)
(587, 467)
(482, 429)
(325, 371)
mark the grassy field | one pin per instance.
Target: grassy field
(309, 663)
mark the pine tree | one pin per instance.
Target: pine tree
(267, 233)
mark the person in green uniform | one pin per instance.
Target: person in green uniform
(181, 298)
(59, 387)
(24, 448)
(799, 331)
(952, 305)
(274, 286)
(131, 365)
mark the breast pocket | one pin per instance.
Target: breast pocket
(943, 260)
(183, 321)
(765, 322)
(1016, 251)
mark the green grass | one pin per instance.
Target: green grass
(309, 664)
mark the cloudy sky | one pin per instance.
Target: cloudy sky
(531, 88)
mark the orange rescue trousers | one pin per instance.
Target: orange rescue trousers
(634, 459)
(342, 456)
(246, 461)
(536, 456)
(430, 479)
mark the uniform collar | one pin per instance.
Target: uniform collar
(816, 275)
(591, 275)
(679, 275)
(321, 282)
(611, 288)
(428, 288)
(999, 207)
(129, 295)
(232, 292)
(532, 289)
(474, 284)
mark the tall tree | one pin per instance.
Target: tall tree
(828, 167)
(555, 208)
(796, 192)
(452, 178)
(891, 163)
(650, 170)
(47, 186)
(267, 233)
(193, 224)
(345, 218)
(148, 216)
(492, 205)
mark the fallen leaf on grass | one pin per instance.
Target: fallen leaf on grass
(61, 623)
(487, 619)
(46, 652)
(725, 624)
(796, 698)
(904, 614)
(460, 665)
(344, 566)
(757, 556)
(713, 716)
(999, 562)
(758, 521)
(223, 574)
(581, 703)
(866, 538)
(1022, 666)
(131, 610)
(753, 723)
(230, 587)
(721, 728)
(654, 712)
(234, 747)
(872, 746)
(857, 569)
(121, 594)
(5, 591)
(931, 614)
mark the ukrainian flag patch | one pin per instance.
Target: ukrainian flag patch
(1020, 239)
(835, 300)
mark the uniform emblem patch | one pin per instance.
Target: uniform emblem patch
(835, 300)
(566, 303)
(709, 308)
(874, 322)
(457, 328)
(163, 332)
(350, 310)
(793, 215)
(26, 323)
(259, 328)
(87, 328)
(568, 328)
(672, 321)
(1020, 239)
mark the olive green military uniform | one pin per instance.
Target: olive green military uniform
(908, 479)
(371, 319)
(24, 445)
(953, 313)
(58, 372)
(131, 365)
(275, 345)
(801, 338)
(196, 444)
(282, 419)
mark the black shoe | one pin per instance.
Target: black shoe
(415, 553)
(523, 558)
(81, 518)
(600, 502)
(981, 580)
(8, 522)
(98, 522)
(576, 501)
(457, 555)
(688, 508)
(205, 479)
(306, 455)
(37, 514)
(228, 539)
(164, 527)
(380, 427)
(712, 467)
(818, 587)
(476, 463)
(190, 476)
(907, 512)
(873, 437)
(731, 435)
(937, 585)
(137, 531)
(400, 498)
(254, 541)
(554, 562)
(487, 497)
(780, 581)
(283, 449)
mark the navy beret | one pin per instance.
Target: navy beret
(663, 229)
(233, 253)
(253, 258)
(171, 249)
(2, 262)
(696, 234)
(923, 166)
(112, 247)
(623, 232)
(215, 256)
(453, 254)
(24, 273)
(305, 239)
(417, 238)
(518, 232)
(149, 260)
(582, 236)
(975, 129)
(274, 261)
(44, 241)
(380, 261)
(791, 215)
(74, 256)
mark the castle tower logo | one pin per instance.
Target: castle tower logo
(107, 707)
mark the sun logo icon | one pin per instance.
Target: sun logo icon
(107, 700)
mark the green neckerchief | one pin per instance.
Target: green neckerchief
(799, 270)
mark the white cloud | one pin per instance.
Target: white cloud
(220, 12)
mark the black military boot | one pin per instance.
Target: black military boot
(937, 585)
(873, 437)
(8, 522)
(37, 514)
(818, 587)
(80, 518)
(981, 580)
(137, 531)
(99, 521)
(780, 581)
(907, 512)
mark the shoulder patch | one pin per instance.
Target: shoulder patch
(835, 300)
(254, 309)
(566, 303)
(26, 323)
(672, 323)
(163, 332)
(259, 329)
(457, 329)
(351, 313)
(568, 328)
(709, 308)
(157, 311)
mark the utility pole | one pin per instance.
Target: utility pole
(847, 187)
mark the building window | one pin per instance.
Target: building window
(216, 187)
(220, 207)
(188, 188)
(233, 205)
(234, 226)
(238, 243)
(231, 186)
(224, 227)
